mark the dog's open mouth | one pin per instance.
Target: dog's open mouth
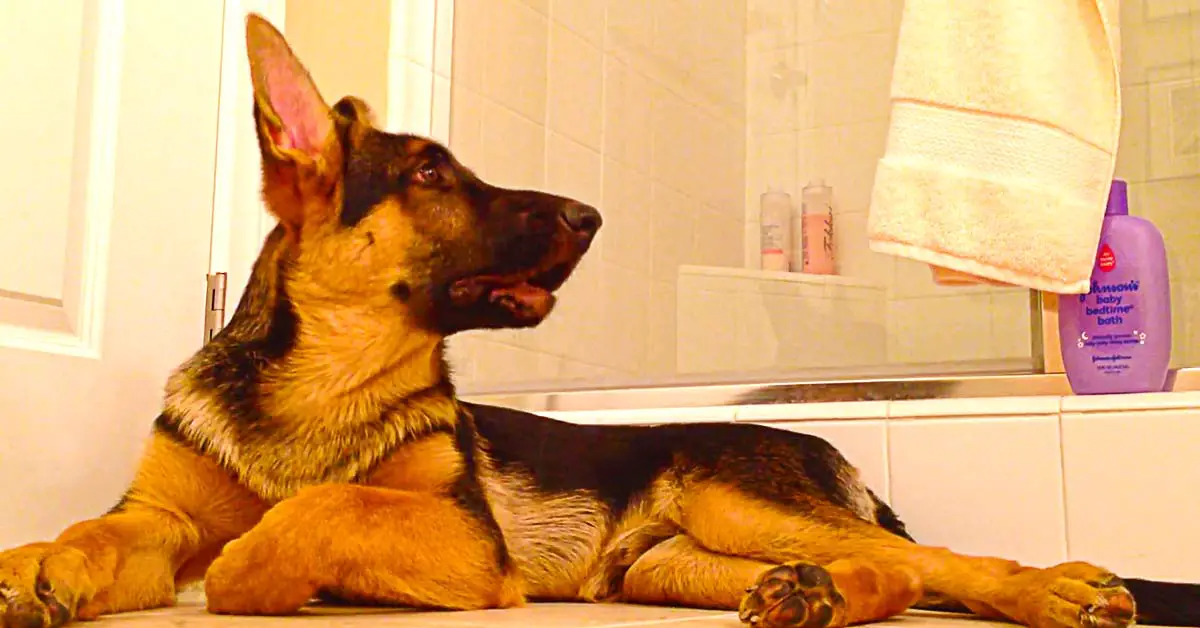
(528, 296)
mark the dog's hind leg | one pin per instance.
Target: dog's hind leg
(366, 543)
(730, 521)
(680, 571)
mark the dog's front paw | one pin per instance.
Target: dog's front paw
(254, 576)
(1074, 595)
(43, 585)
(796, 595)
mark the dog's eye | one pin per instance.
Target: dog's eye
(426, 174)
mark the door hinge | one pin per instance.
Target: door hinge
(214, 307)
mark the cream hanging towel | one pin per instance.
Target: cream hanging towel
(1003, 139)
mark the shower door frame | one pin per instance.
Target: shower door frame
(427, 107)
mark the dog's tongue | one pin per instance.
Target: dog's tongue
(524, 300)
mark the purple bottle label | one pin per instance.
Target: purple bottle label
(1114, 327)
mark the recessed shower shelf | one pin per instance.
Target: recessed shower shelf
(775, 276)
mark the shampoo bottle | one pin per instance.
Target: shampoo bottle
(775, 224)
(1117, 337)
(816, 229)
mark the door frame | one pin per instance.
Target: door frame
(418, 101)
(239, 220)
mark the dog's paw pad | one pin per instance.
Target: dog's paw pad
(798, 595)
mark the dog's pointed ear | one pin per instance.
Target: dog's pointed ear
(296, 131)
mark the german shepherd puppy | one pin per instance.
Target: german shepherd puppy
(316, 447)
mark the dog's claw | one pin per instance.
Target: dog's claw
(44, 585)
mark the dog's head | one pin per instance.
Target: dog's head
(395, 221)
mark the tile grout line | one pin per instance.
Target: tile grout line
(1062, 478)
(887, 454)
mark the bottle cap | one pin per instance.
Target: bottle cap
(818, 182)
(1118, 199)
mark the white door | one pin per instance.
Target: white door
(108, 124)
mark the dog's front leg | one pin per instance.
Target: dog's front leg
(367, 543)
(179, 510)
(122, 561)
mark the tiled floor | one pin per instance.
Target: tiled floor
(191, 614)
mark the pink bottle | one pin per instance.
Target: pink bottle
(816, 229)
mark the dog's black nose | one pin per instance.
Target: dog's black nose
(582, 218)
